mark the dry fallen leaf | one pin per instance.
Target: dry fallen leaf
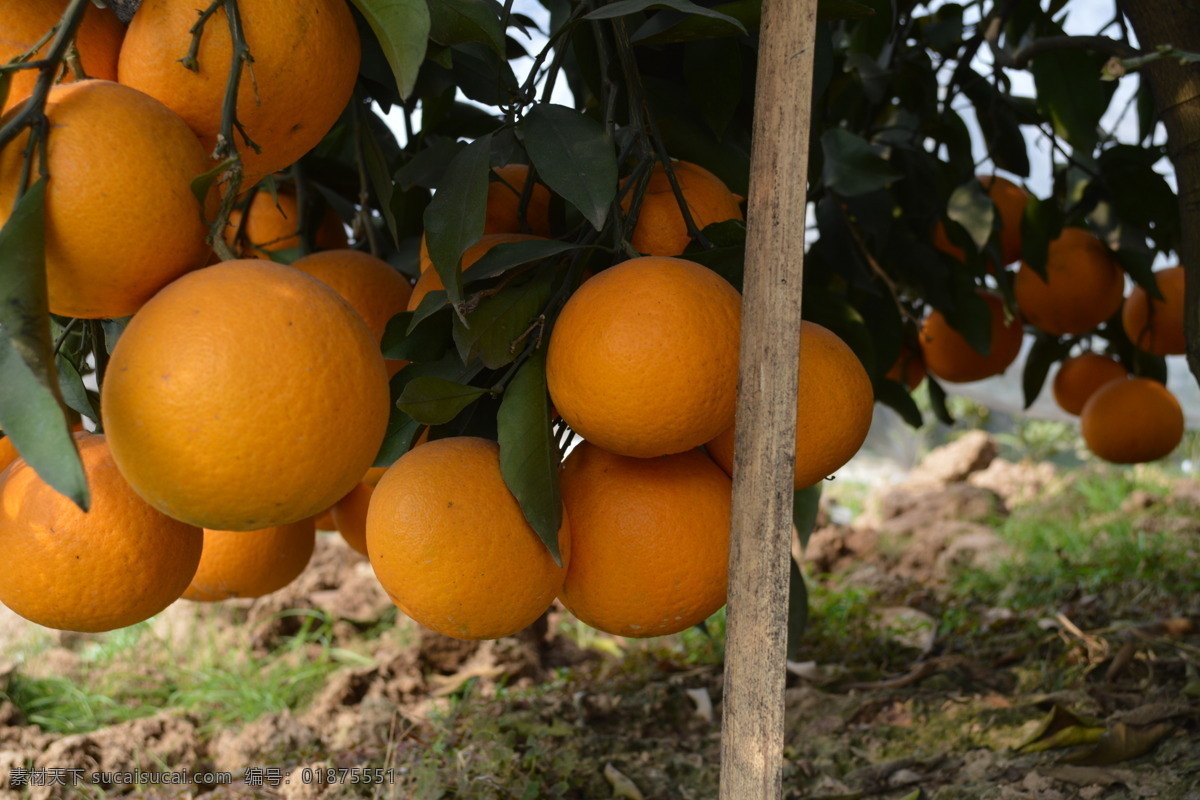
(622, 786)
(1120, 743)
(704, 707)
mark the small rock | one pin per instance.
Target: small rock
(1016, 483)
(954, 461)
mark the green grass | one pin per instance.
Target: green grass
(133, 673)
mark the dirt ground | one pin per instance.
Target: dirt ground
(908, 683)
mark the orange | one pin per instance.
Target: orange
(306, 55)
(660, 229)
(1010, 200)
(273, 224)
(430, 281)
(504, 203)
(8, 453)
(120, 563)
(950, 357)
(350, 516)
(372, 286)
(1132, 421)
(1081, 376)
(245, 395)
(1085, 286)
(251, 563)
(834, 405)
(1156, 326)
(649, 540)
(24, 22)
(451, 547)
(908, 368)
(121, 219)
(324, 521)
(643, 358)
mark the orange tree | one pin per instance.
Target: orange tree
(920, 145)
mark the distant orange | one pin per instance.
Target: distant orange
(350, 516)
(1084, 286)
(1156, 326)
(1081, 376)
(273, 224)
(661, 229)
(251, 563)
(1132, 421)
(951, 358)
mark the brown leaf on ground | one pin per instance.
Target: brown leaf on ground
(1120, 743)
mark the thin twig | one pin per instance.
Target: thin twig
(364, 186)
(190, 61)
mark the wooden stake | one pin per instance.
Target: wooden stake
(752, 739)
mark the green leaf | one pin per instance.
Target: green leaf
(671, 26)
(806, 506)
(712, 70)
(506, 255)
(972, 317)
(1121, 742)
(402, 429)
(1071, 95)
(426, 341)
(797, 620)
(852, 167)
(436, 401)
(998, 123)
(498, 320)
(833, 10)
(402, 28)
(971, 207)
(1042, 354)
(454, 22)
(1041, 224)
(30, 412)
(113, 328)
(937, 401)
(454, 219)
(895, 396)
(574, 156)
(376, 167)
(623, 8)
(528, 453)
(427, 166)
(75, 394)
(202, 184)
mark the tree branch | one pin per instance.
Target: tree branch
(1046, 44)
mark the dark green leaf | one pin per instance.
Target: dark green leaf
(1045, 351)
(806, 506)
(797, 609)
(30, 413)
(402, 28)
(402, 429)
(622, 8)
(454, 22)
(833, 10)
(427, 166)
(75, 394)
(436, 401)
(483, 76)
(937, 400)
(427, 341)
(998, 123)
(528, 453)
(727, 257)
(506, 255)
(499, 320)
(378, 173)
(202, 184)
(972, 317)
(972, 208)
(852, 166)
(668, 27)
(113, 328)
(1041, 224)
(1071, 95)
(896, 396)
(1139, 266)
(573, 156)
(454, 219)
(712, 70)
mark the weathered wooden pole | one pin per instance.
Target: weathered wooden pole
(752, 737)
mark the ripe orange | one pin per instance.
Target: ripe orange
(1085, 286)
(660, 229)
(1010, 201)
(1081, 376)
(120, 226)
(118, 564)
(251, 563)
(451, 547)
(504, 203)
(834, 405)
(948, 355)
(273, 224)
(24, 22)
(306, 55)
(1157, 326)
(649, 540)
(1132, 421)
(8, 453)
(643, 358)
(350, 516)
(430, 281)
(324, 521)
(908, 369)
(372, 286)
(245, 395)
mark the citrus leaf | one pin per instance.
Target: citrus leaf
(668, 27)
(998, 123)
(1042, 354)
(113, 328)
(806, 505)
(436, 401)
(623, 8)
(425, 342)
(852, 167)
(528, 454)
(30, 411)
(797, 620)
(574, 156)
(202, 184)
(75, 394)
(427, 166)
(402, 28)
(1071, 95)
(1041, 224)
(712, 71)
(454, 22)
(972, 208)
(832, 10)
(1122, 742)
(506, 255)
(937, 401)
(402, 428)
(498, 320)
(896, 397)
(376, 167)
(454, 218)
